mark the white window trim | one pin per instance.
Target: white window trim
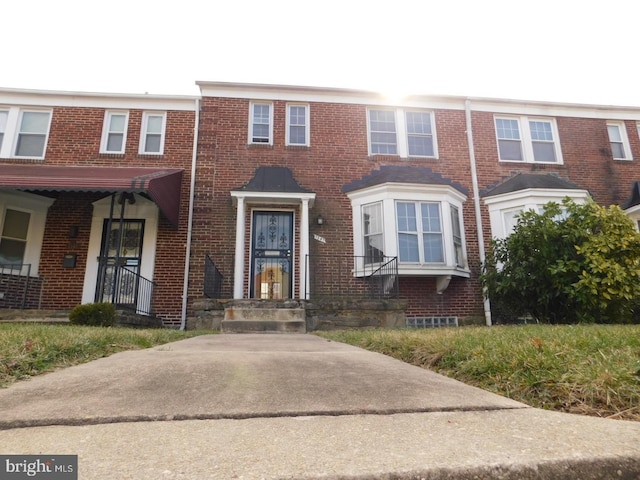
(250, 129)
(307, 129)
(525, 138)
(626, 146)
(37, 206)
(388, 194)
(105, 131)
(14, 119)
(402, 135)
(4, 136)
(528, 199)
(143, 132)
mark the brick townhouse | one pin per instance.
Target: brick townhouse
(339, 202)
(94, 199)
(320, 193)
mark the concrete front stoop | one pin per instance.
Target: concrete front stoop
(264, 316)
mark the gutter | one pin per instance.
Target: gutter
(476, 204)
(192, 188)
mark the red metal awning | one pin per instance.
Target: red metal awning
(162, 185)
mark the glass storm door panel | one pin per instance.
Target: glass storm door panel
(271, 247)
(119, 263)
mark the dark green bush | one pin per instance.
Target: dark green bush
(93, 314)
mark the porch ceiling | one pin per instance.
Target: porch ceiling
(162, 185)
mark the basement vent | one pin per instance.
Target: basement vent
(431, 322)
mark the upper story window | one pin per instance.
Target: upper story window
(403, 133)
(420, 134)
(32, 134)
(24, 132)
(382, 132)
(261, 123)
(3, 125)
(528, 139)
(153, 133)
(114, 132)
(620, 149)
(297, 125)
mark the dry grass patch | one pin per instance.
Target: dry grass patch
(584, 369)
(28, 350)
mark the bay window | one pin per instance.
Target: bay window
(420, 224)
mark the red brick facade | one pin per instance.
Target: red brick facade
(337, 155)
(74, 139)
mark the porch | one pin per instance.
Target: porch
(341, 292)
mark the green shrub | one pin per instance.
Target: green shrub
(94, 314)
(572, 263)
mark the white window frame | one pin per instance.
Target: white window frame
(432, 135)
(106, 132)
(144, 131)
(402, 132)
(526, 141)
(307, 129)
(421, 230)
(12, 131)
(4, 118)
(370, 259)
(389, 194)
(533, 199)
(623, 141)
(37, 207)
(251, 139)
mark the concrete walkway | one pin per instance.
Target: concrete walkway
(296, 407)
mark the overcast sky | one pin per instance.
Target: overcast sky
(582, 51)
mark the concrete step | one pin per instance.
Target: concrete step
(263, 317)
(263, 326)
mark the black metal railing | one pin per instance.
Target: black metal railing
(126, 289)
(341, 276)
(216, 283)
(18, 289)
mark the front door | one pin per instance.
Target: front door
(119, 262)
(271, 248)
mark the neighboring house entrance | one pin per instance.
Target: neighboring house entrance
(271, 254)
(119, 262)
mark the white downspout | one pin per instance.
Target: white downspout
(238, 275)
(476, 204)
(192, 188)
(304, 249)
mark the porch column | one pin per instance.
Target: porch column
(304, 249)
(238, 275)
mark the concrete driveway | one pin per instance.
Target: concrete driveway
(296, 406)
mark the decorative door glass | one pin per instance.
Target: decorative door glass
(119, 264)
(272, 245)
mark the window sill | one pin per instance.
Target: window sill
(298, 147)
(260, 145)
(22, 160)
(150, 155)
(111, 155)
(432, 271)
(525, 162)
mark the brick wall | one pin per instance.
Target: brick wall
(338, 154)
(74, 139)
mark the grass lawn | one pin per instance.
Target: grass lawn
(27, 350)
(583, 369)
